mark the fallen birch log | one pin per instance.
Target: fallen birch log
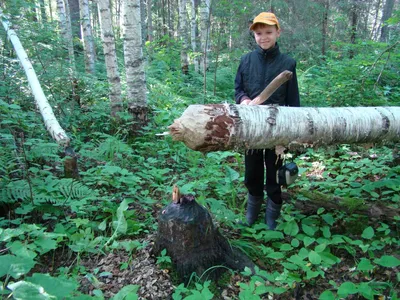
(218, 127)
(50, 120)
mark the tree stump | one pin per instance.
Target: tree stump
(195, 245)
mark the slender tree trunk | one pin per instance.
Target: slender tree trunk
(375, 26)
(65, 28)
(110, 55)
(205, 11)
(227, 126)
(193, 33)
(43, 14)
(50, 120)
(73, 7)
(219, 29)
(90, 53)
(149, 21)
(134, 62)
(324, 27)
(387, 13)
(183, 36)
(353, 25)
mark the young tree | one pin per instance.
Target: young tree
(387, 13)
(65, 28)
(183, 28)
(107, 35)
(90, 53)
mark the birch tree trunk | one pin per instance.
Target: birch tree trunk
(110, 55)
(65, 28)
(149, 21)
(90, 53)
(50, 121)
(183, 36)
(227, 126)
(134, 62)
(193, 35)
(205, 33)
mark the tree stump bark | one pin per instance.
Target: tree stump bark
(195, 245)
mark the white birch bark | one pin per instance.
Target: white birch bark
(65, 28)
(149, 21)
(133, 55)
(205, 32)
(107, 35)
(183, 36)
(50, 121)
(193, 37)
(87, 35)
(228, 126)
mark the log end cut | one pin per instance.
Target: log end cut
(204, 128)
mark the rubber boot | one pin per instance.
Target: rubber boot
(272, 213)
(253, 208)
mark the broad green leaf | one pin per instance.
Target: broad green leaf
(314, 257)
(308, 241)
(329, 258)
(326, 232)
(269, 235)
(276, 255)
(120, 225)
(366, 291)
(15, 266)
(23, 290)
(320, 247)
(328, 218)
(295, 243)
(291, 228)
(327, 295)
(128, 292)
(54, 286)
(368, 233)
(347, 288)
(387, 261)
(365, 265)
(308, 229)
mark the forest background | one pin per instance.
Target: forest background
(116, 74)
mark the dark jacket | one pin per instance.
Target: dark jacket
(258, 68)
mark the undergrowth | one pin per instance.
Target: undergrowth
(126, 180)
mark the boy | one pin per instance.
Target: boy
(256, 70)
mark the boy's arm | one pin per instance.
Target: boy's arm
(240, 94)
(293, 96)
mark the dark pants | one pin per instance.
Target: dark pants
(255, 163)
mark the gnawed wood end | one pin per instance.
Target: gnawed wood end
(176, 195)
(204, 127)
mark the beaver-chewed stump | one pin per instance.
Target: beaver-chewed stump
(187, 232)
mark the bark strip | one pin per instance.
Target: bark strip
(227, 126)
(272, 87)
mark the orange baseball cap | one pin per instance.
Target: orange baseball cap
(265, 18)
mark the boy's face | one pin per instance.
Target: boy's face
(266, 35)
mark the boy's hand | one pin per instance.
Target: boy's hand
(255, 101)
(245, 102)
